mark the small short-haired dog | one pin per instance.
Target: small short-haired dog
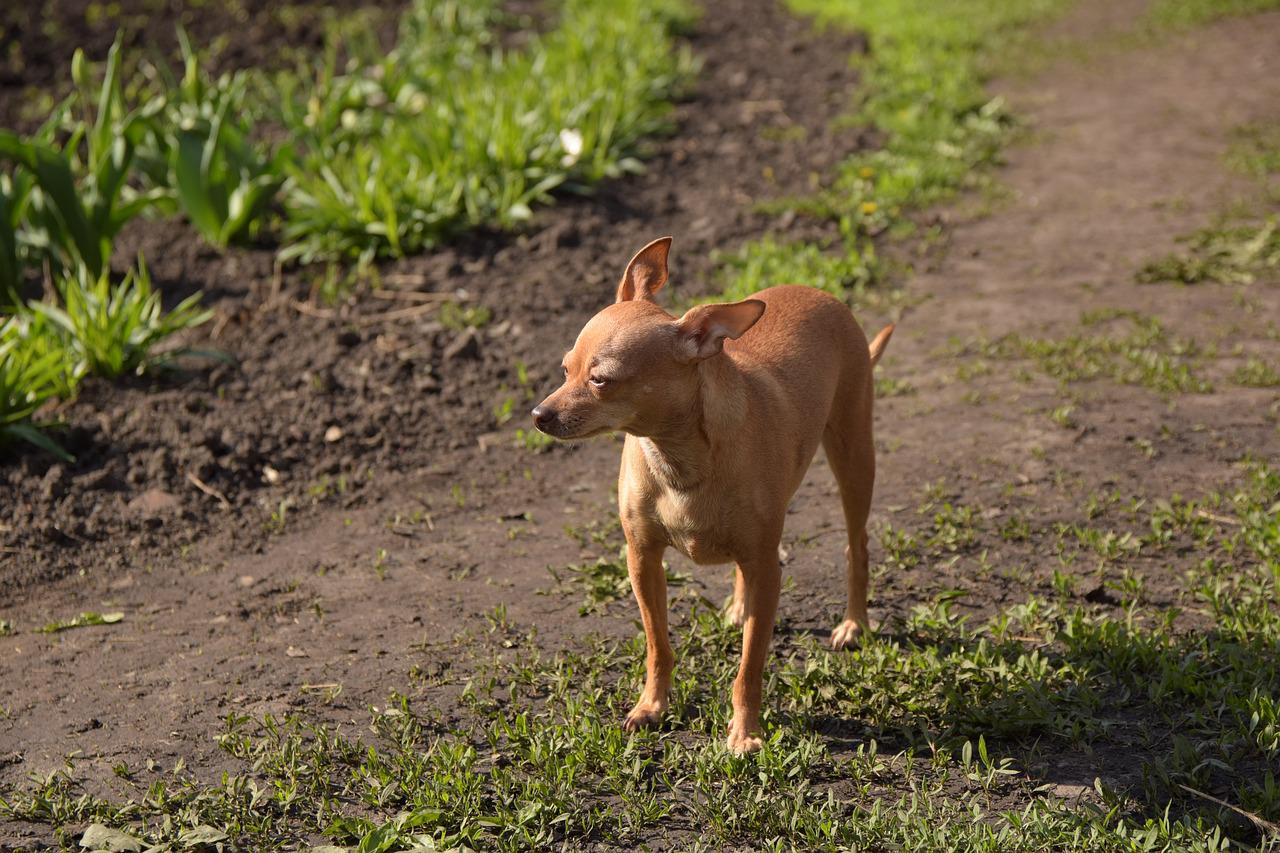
(723, 410)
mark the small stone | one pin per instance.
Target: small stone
(465, 345)
(53, 484)
(153, 503)
(333, 433)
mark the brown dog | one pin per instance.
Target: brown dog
(723, 410)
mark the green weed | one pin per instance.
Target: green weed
(69, 200)
(222, 180)
(455, 317)
(35, 369)
(842, 273)
(1228, 255)
(535, 441)
(1143, 355)
(888, 386)
(1256, 373)
(84, 620)
(113, 329)
(1255, 150)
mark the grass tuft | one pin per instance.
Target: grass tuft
(1227, 255)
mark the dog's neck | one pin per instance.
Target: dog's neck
(681, 455)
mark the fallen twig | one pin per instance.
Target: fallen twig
(415, 295)
(1262, 823)
(397, 314)
(312, 311)
(209, 490)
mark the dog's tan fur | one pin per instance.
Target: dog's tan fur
(723, 410)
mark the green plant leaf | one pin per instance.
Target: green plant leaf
(53, 175)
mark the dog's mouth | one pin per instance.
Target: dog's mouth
(560, 434)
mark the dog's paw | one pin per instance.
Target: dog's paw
(845, 634)
(743, 742)
(644, 715)
(735, 613)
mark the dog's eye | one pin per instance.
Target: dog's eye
(598, 382)
(565, 370)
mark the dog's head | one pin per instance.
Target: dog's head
(634, 367)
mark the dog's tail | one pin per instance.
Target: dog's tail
(881, 341)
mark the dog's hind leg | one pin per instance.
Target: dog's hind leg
(735, 611)
(851, 455)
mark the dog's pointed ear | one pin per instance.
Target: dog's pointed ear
(646, 273)
(701, 331)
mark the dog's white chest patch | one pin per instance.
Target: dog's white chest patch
(696, 540)
(689, 524)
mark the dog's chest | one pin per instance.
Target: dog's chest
(690, 530)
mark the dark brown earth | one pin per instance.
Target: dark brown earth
(37, 40)
(226, 610)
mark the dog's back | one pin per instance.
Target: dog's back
(813, 347)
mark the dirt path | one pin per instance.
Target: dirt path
(331, 615)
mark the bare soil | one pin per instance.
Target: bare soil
(423, 516)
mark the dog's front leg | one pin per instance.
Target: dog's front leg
(649, 582)
(762, 580)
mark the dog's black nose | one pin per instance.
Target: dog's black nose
(543, 417)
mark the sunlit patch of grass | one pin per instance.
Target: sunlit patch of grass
(842, 272)
(451, 131)
(1256, 373)
(605, 579)
(1229, 255)
(35, 370)
(925, 90)
(1255, 149)
(114, 328)
(1240, 252)
(889, 386)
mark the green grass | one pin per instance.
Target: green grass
(1240, 252)
(932, 735)
(1125, 346)
(1255, 150)
(924, 87)
(1227, 255)
(1256, 373)
(450, 131)
(35, 370)
(114, 327)
(99, 326)
(767, 262)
